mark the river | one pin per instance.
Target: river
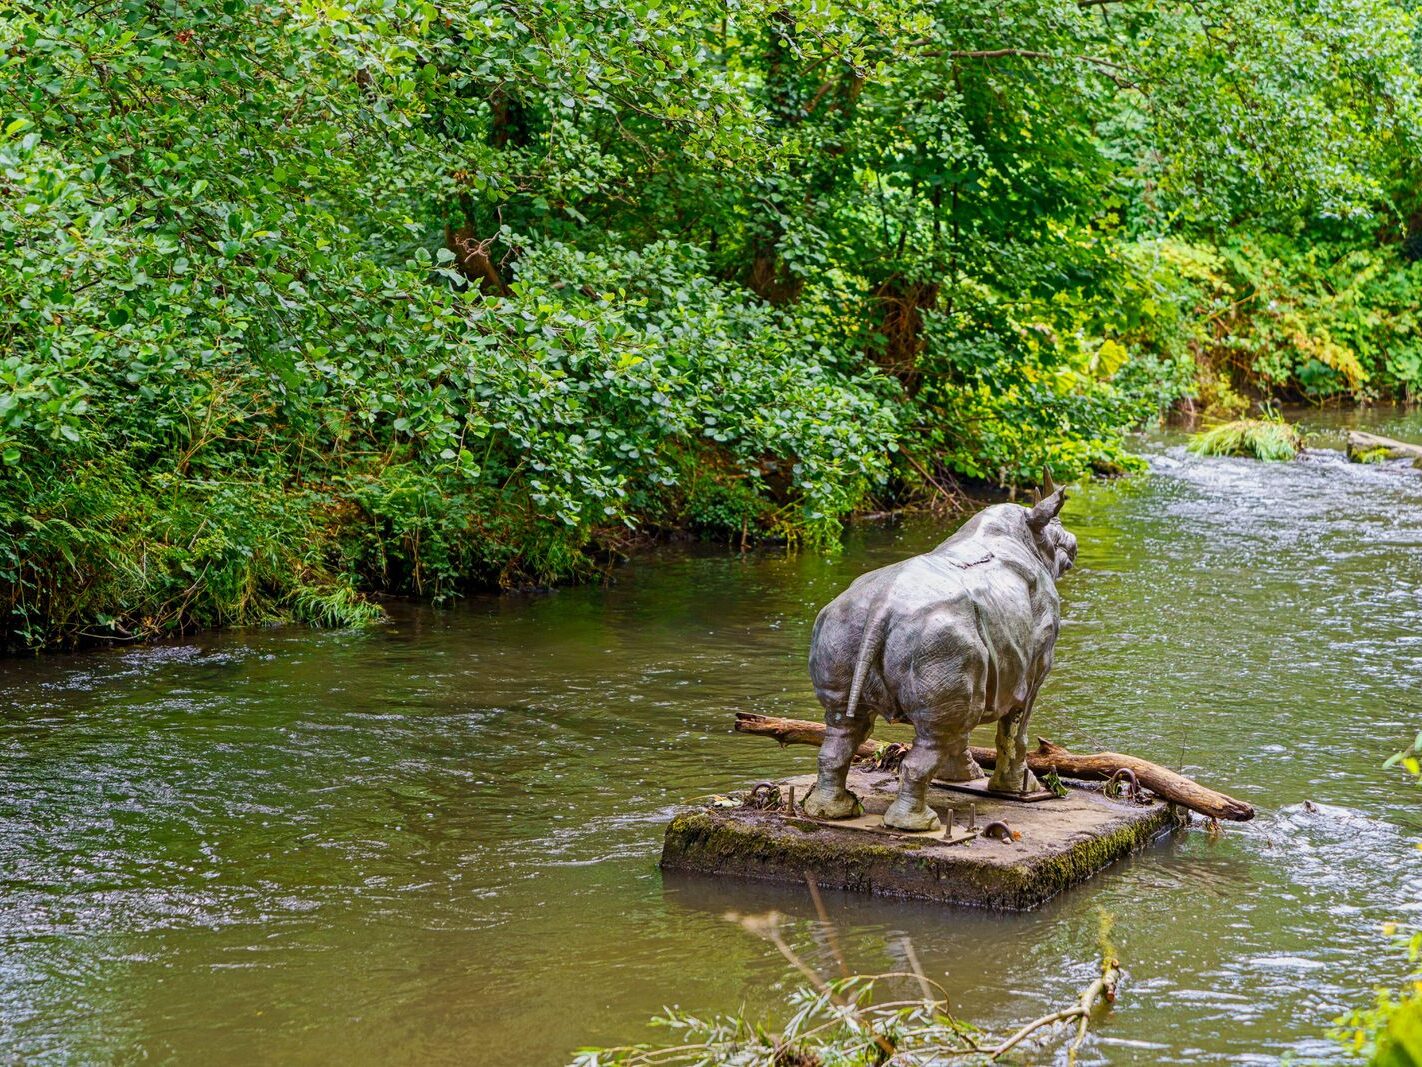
(436, 841)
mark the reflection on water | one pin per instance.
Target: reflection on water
(436, 842)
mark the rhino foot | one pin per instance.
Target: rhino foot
(901, 816)
(960, 769)
(844, 805)
(1009, 781)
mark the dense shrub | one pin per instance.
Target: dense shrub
(1314, 320)
(401, 431)
(221, 408)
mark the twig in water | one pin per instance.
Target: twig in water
(768, 927)
(912, 957)
(1103, 987)
(828, 926)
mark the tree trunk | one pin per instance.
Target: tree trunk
(903, 303)
(1162, 781)
(473, 258)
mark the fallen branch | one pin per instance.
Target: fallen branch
(1162, 781)
(1360, 443)
(951, 497)
(1103, 987)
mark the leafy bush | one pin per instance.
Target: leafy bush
(453, 438)
(1299, 318)
(225, 403)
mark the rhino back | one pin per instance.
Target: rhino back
(859, 622)
(932, 625)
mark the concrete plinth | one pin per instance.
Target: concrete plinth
(1058, 844)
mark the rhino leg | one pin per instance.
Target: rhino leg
(910, 810)
(1011, 770)
(830, 799)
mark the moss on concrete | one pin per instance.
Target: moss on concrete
(1029, 885)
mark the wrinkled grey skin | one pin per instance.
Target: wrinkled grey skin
(958, 636)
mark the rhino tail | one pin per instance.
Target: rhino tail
(869, 648)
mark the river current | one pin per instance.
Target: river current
(436, 841)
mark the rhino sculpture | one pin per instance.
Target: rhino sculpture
(956, 637)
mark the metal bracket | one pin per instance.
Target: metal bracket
(978, 788)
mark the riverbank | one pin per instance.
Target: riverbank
(115, 557)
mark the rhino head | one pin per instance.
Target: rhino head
(1053, 541)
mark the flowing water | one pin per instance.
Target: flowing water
(436, 842)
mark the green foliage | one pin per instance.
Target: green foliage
(838, 1022)
(1319, 320)
(222, 409)
(1388, 1034)
(1372, 455)
(726, 503)
(1307, 317)
(308, 301)
(1409, 759)
(1267, 439)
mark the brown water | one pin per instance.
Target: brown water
(436, 842)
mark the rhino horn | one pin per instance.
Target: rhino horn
(1047, 509)
(1048, 486)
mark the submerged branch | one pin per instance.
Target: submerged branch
(1103, 987)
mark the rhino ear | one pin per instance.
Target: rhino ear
(1044, 512)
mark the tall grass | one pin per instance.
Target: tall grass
(1273, 440)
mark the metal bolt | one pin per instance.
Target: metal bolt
(948, 834)
(1026, 777)
(791, 806)
(972, 816)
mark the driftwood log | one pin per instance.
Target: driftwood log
(1162, 781)
(1360, 443)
